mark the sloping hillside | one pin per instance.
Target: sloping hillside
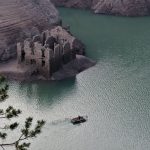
(23, 18)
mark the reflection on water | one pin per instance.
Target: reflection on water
(45, 92)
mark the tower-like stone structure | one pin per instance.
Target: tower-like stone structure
(47, 53)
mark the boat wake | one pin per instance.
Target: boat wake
(60, 121)
(64, 121)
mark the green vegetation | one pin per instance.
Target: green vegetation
(26, 132)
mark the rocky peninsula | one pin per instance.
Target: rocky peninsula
(110, 7)
(28, 19)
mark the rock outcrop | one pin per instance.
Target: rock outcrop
(73, 3)
(48, 52)
(123, 7)
(12, 71)
(20, 19)
(115, 7)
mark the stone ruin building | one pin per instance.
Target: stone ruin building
(46, 52)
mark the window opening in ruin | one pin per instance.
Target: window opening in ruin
(32, 51)
(57, 38)
(33, 62)
(43, 63)
(44, 39)
(43, 53)
(22, 56)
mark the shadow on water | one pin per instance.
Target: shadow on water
(46, 92)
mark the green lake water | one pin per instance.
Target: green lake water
(115, 94)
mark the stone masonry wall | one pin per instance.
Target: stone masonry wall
(47, 52)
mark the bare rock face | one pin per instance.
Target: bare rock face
(20, 19)
(115, 7)
(122, 7)
(73, 3)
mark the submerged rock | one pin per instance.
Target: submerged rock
(20, 19)
(115, 7)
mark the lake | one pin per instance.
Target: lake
(115, 93)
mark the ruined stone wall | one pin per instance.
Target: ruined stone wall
(46, 52)
(62, 34)
(58, 54)
(20, 48)
(43, 63)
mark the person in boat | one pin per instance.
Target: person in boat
(79, 117)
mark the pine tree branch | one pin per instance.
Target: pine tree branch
(3, 117)
(2, 128)
(14, 143)
(2, 147)
(11, 112)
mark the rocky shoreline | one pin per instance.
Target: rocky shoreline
(131, 8)
(27, 19)
(12, 71)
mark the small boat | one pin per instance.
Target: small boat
(78, 120)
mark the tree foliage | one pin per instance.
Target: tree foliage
(26, 133)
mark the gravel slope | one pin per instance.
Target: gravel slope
(23, 18)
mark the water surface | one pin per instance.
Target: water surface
(115, 94)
